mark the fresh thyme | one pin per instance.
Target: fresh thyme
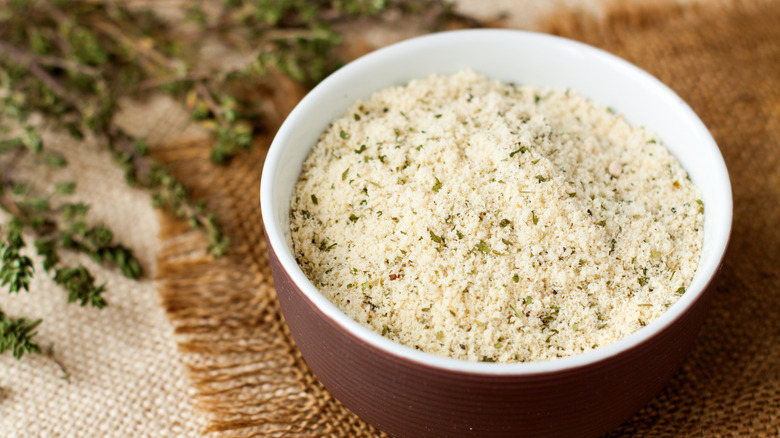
(67, 65)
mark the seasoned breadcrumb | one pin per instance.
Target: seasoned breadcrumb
(491, 222)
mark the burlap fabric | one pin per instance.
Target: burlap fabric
(229, 353)
(126, 376)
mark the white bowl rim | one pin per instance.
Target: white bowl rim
(705, 272)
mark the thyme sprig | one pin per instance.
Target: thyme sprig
(70, 63)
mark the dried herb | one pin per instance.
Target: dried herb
(436, 186)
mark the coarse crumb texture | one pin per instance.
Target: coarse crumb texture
(485, 221)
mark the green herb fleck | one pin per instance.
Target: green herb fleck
(516, 278)
(326, 248)
(601, 223)
(655, 254)
(353, 218)
(435, 238)
(504, 223)
(436, 186)
(344, 175)
(344, 134)
(314, 199)
(522, 150)
(541, 178)
(680, 291)
(534, 219)
(482, 246)
(439, 335)
(362, 148)
(460, 235)
(370, 284)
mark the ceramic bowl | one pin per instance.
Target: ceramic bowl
(411, 393)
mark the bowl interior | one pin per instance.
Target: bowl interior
(524, 58)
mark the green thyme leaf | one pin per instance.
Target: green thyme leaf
(65, 188)
(54, 159)
(16, 335)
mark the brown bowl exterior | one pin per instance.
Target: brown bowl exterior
(408, 399)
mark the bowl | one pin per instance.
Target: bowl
(406, 392)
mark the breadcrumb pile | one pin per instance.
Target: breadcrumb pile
(486, 221)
